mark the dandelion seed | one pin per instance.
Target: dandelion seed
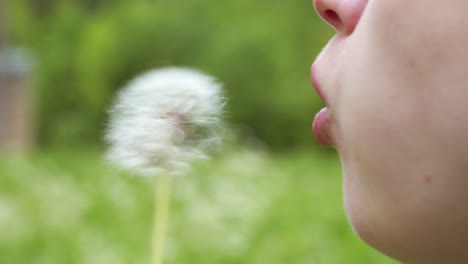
(160, 123)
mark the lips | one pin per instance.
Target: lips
(322, 121)
(321, 127)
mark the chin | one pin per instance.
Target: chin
(431, 232)
(369, 230)
(366, 221)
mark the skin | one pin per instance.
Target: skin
(395, 78)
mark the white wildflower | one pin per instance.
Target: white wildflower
(163, 120)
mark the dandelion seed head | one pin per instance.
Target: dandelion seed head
(165, 119)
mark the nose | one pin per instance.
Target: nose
(343, 15)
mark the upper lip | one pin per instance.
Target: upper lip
(316, 84)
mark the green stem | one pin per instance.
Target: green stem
(162, 203)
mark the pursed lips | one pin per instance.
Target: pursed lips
(322, 121)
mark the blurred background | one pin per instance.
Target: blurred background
(272, 196)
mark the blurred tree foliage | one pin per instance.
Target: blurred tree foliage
(86, 50)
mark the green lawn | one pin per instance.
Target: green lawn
(244, 207)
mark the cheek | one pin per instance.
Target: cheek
(401, 82)
(403, 175)
(401, 126)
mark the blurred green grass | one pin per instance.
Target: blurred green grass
(243, 207)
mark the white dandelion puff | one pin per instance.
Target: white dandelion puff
(160, 123)
(164, 120)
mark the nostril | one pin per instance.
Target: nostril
(333, 18)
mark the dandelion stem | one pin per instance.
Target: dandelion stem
(162, 203)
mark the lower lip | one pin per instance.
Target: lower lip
(321, 127)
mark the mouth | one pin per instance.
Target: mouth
(322, 121)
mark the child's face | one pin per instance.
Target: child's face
(395, 79)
